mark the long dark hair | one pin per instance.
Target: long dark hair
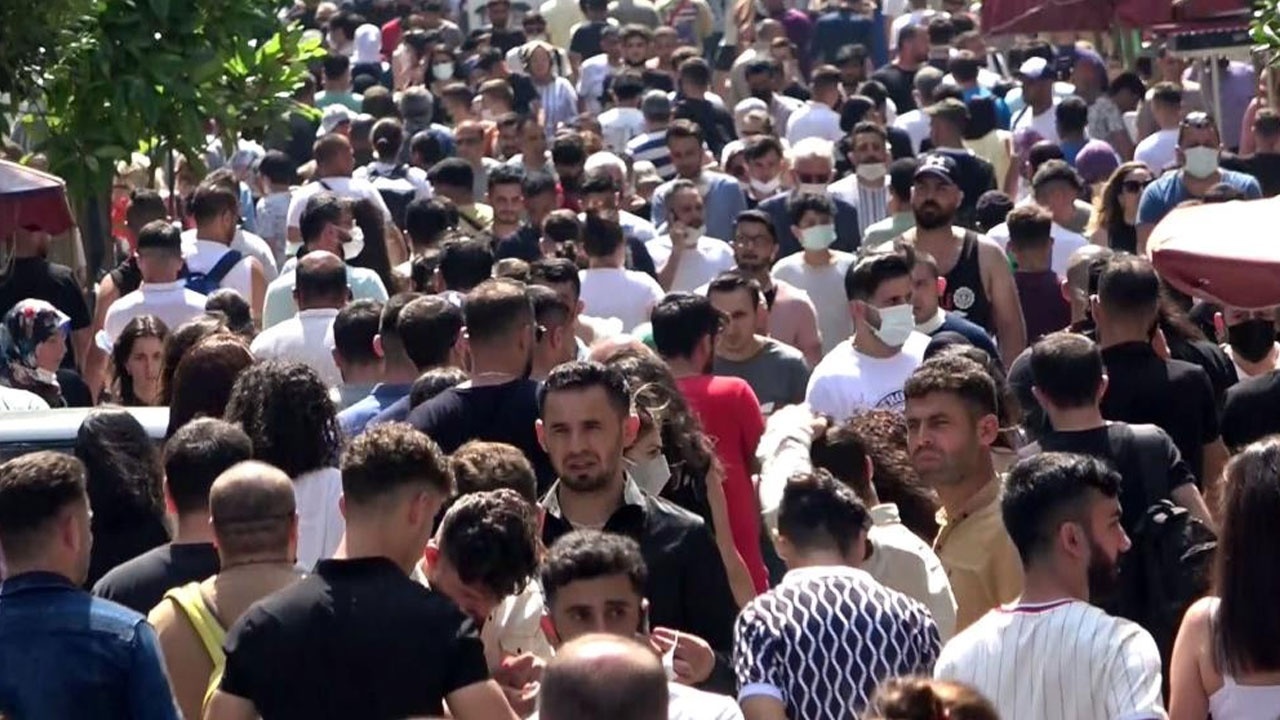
(286, 411)
(123, 468)
(143, 326)
(1107, 212)
(1246, 628)
(181, 340)
(203, 381)
(374, 256)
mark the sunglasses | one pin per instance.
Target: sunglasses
(1134, 186)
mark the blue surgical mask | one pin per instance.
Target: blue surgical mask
(897, 322)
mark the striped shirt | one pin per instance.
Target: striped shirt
(652, 146)
(1061, 660)
(825, 638)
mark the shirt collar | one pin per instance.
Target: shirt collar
(162, 287)
(885, 514)
(326, 313)
(989, 494)
(631, 495)
(35, 580)
(930, 326)
(823, 571)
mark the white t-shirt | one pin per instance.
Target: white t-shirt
(1065, 243)
(847, 381)
(591, 78)
(343, 187)
(306, 338)
(627, 295)
(172, 302)
(699, 265)
(1158, 150)
(825, 287)
(815, 119)
(245, 243)
(204, 254)
(619, 125)
(320, 522)
(1062, 660)
(1046, 123)
(916, 125)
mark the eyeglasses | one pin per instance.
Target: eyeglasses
(745, 240)
(1134, 186)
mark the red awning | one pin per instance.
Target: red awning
(1216, 252)
(1013, 17)
(32, 200)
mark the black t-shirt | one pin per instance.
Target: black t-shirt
(1171, 394)
(1263, 166)
(507, 38)
(900, 83)
(1211, 358)
(141, 583)
(523, 244)
(1116, 443)
(715, 121)
(75, 392)
(586, 39)
(116, 540)
(503, 413)
(1249, 412)
(355, 639)
(55, 284)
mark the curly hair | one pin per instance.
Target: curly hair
(123, 468)
(491, 539)
(286, 411)
(918, 698)
(142, 326)
(480, 466)
(388, 456)
(883, 434)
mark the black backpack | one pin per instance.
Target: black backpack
(397, 195)
(1168, 567)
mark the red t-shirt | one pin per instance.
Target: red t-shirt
(730, 415)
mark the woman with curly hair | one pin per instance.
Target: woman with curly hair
(137, 359)
(672, 457)
(124, 476)
(286, 411)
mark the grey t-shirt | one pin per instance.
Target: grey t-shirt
(778, 374)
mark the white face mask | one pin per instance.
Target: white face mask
(1201, 162)
(765, 188)
(896, 325)
(442, 71)
(814, 188)
(818, 237)
(695, 232)
(652, 474)
(872, 172)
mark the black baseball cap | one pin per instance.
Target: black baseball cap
(939, 166)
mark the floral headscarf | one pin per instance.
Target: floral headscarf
(28, 324)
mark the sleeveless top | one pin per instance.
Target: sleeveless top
(965, 294)
(190, 600)
(1233, 701)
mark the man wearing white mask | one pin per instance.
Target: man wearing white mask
(813, 168)
(818, 270)
(722, 194)
(686, 257)
(869, 370)
(867, 189)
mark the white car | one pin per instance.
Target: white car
(26, 431)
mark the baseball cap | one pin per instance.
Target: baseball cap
(1096, 161)
(334, 115)
(1035, 68)
(656, 104)
(949, 109)
(939, 166)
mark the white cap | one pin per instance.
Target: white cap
(1034, 68)
(334, 115)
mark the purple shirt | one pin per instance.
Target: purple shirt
(799, 31)
(1043, 306)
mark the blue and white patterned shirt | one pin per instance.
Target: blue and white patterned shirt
(825, 638)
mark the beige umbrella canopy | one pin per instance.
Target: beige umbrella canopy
(1222, 252)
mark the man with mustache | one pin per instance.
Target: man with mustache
(1052, 654)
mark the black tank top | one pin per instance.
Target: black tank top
(965, 294)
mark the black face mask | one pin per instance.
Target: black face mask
(1252, 339)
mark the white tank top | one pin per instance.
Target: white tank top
(1233, 701)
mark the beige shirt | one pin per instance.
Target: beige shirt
(979, 557)
(901, 561)
(228, 595)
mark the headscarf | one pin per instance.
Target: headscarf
(30, 323)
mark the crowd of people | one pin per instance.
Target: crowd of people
(677, 359)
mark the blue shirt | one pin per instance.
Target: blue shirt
(1167, 192)
(67, 654)
(722, 200)
(838, 28)
(354, 419)
(1004, 116)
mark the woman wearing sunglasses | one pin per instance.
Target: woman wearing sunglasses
(1115, 212)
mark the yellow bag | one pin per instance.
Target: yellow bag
(191, 601)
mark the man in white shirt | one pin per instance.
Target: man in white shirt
(625, 120)
(1037, 94)
(335, 163)
(162, 293)
(609, 290)
(1051, 655)
(594, 582)
(818, 118)
(320, 291)
(818, 270)
(595, 71)
(245, 242)
(1159, 150)
(869, 371)
(916, 122)
(1055, 187)
(867, 189)
(685, 257)
(216, 211)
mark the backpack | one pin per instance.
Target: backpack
(397, 192)
(191, 602)
(1168, 567)
(208, 283)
